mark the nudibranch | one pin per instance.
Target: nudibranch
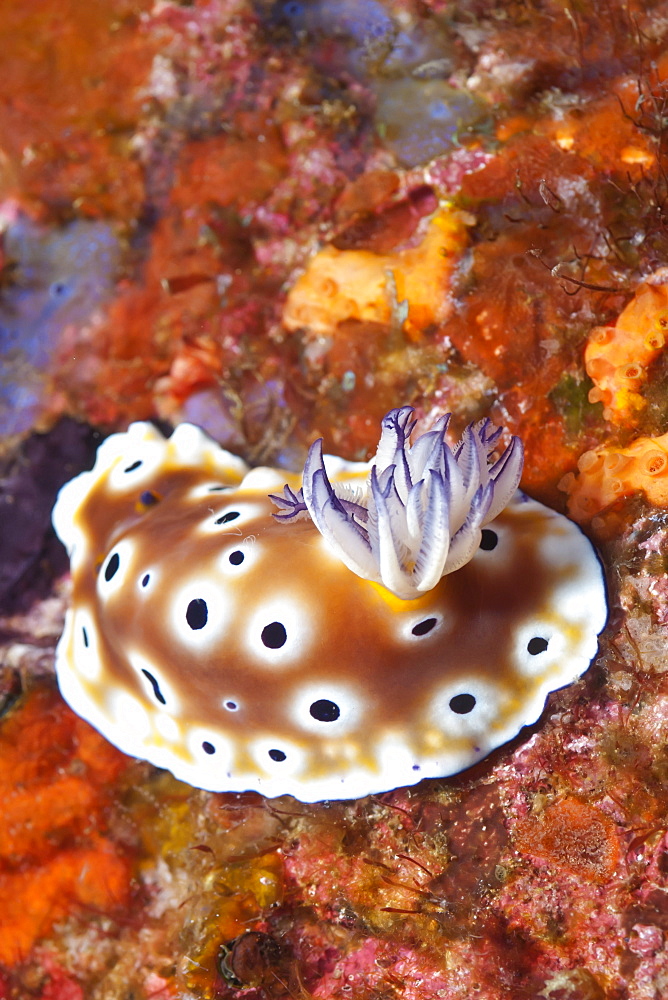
(358, 630)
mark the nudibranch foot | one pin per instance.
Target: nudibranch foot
(243, 649)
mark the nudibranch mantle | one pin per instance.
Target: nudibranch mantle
(209, 636)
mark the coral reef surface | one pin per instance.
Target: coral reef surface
(281, 219)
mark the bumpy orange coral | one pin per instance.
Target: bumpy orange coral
(340, 285)
(56, 776)
(607, 474)
(617, 357)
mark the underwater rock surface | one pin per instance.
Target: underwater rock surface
(56, 279)
(176, 178)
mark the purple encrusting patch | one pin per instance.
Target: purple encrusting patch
(59, 277)
(30, 555)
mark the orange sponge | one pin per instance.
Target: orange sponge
(610, 473)
(617, 357)
(341, 285)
